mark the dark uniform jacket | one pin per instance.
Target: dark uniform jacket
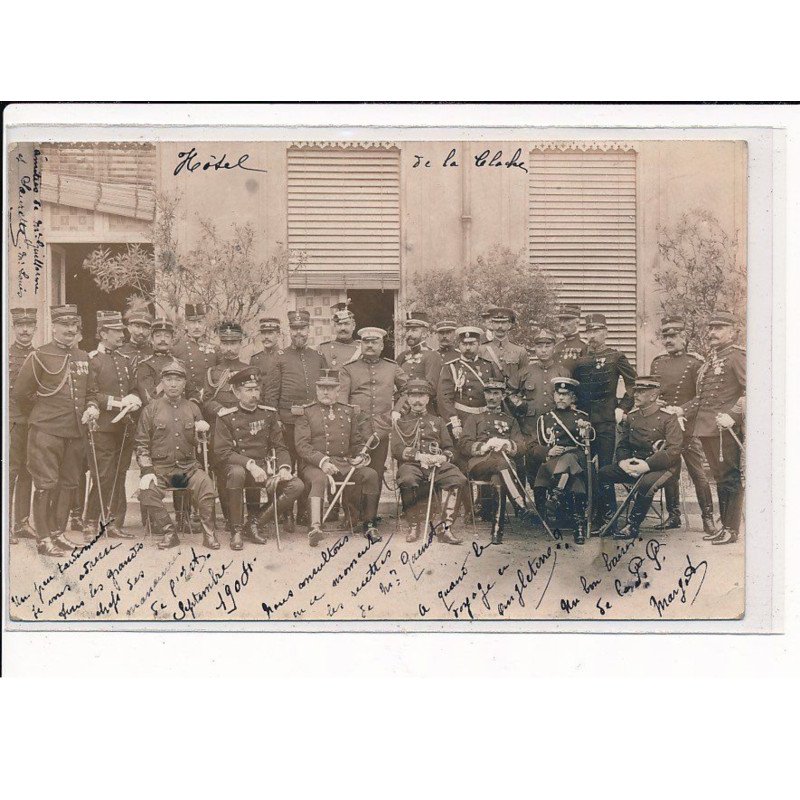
(16, 358)
(217, 392)
(136, 354)
(414, 433)
(58, 384)
(114, 379)
(297, 371)
(370, 385)
(720, 390)
(569, 350)
(265, 360)
(559, 427)
(337, 354)
(198, 356)
(448, 354)
(333, 433)
(642, 428)
(461, 387)
(536, 392)
(509, 358)
(165, 436)
(148, 376)
(479, 428)
(599, 374)
(678, 375)
(421, 362)
(242, 435)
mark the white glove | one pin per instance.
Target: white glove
(725, 421)
(131, 402)
(201, 426)
(284, 474)
(329, 468)
(675, 410)
(259, 475)
(457, 430)
(90, 415)
(484, 448)
(224, 411)
(638, 468)
(395, 416)
(357, 461)
(619, 415)
(556, 451)
(495, 443)
(146, 481)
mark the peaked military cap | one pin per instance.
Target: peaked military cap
(64, 313)
(299, 318)
(564, 384)
(269, 324)
(544, 335)
(328, 377)
(163, 324)
(495, 383)
(647, 382)
(417, 319)
(445, 325)
(569, 311)
(230, 332)
(248, 377)
(174, 368)
(468, 333)
(194, 311)
(140, 315)
(500, 314)
(371, 333)
(20, 316)
(110, 319)
(595, 321)
(419, 386)
(672, 324)
(721, 318)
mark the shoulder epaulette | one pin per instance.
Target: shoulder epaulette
(223, 412)
(579, 411)
(267, 408)
(695, 355)
(147, 358)
(390, 360)
(117, 351)
(663, 355)
(453, 360)
(308, 405)
(349, 405)
(322, 344)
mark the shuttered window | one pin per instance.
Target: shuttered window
(582, 231)
(344, 215)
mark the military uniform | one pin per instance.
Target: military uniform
(148, 376)
(721, 390)
(113, 440)
(58, 382)
(217, 391)
(569, 350)
(509, 358)
(135, 353)
(461, 388)
(265, 360)
(678, 375)
(198, 356)
(243, 435)
(420, 361)
(19, 479)
(337, 354)
(562, 428)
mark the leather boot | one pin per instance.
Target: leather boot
(41, 513)
(60, 540)
(206, 513)
(170, 538)
(408, 500)
(499, 520)
(709, 527)
(369, 502)
(638, 512)
(371, 531)
(118, 533)
(673, 520)
(237, 542)
(726, 536)
(443, 532)
(23, 530)
(315, 531)
(252, 533)
(413, 532)
(579, 518)
(47, 547)
(554, 502)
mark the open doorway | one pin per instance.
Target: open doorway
(81, 289)
(375, 308)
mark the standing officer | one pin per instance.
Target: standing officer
(343, 348)
(166, 441)
(113, 437)
(716, 416)
(421, 441)
(598, 372)
(371, 384)
(23, 321)
(445, 331)
(418, 360)
(139, 323)
(249, 451)
(650, 446)
(194, 349)
(561, 433)
(571, 347)
(57, 382)
(508, 357)
(677, 370)
(148, 368)
(331, 439)
(485, 438)
(461, 382)
(266, 356)
(533, 396)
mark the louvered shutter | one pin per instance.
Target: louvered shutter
(582, 231)
(344, 214)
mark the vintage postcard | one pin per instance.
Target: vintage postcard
(414, 378)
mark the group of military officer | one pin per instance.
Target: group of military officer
(297, 425)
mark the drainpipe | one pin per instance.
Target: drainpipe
(466, 205)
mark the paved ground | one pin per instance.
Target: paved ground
(670, 575)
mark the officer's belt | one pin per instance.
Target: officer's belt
(470, 409)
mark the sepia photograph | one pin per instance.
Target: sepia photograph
(376, 381)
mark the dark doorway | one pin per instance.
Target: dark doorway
(81, 289)
(374, 308)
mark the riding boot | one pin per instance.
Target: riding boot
(443, 533)
(638, 512)
(579, 517)
(370, 505)
(24, 530)
(60, 520)
(210, 540)
(237, 542)
(170, 538)
(554, 501)
(41, 521)
(408, 500)
(499, 520)
(315, 531)
(672, 521)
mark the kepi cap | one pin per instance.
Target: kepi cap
(110, 319)
(174, 368)
(248, 377)
(672, 324)
(500, 314)
(544, 335)
(194, 311)
(162, 324)
(64, 313)
(445, 325)
(647, 382)
(140, 315)
(569, 311)
(419, 386)
(20, 316)
(595, 321)
(299, 318)
(269, 324)
(328, 377)
(417, 319)
(230, 332)
(721, 318)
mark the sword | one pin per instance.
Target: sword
(370, 444)
(275, 511)
(103, 519)
(430, 500)
(119, 463)
(519, 486)
(615, 516)
(736, 438)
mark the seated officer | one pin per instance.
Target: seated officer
(420, 444)
(561, 433)
(166, 453)
(649, 448)
(246, 436)
(485, 440)
(330, 439)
